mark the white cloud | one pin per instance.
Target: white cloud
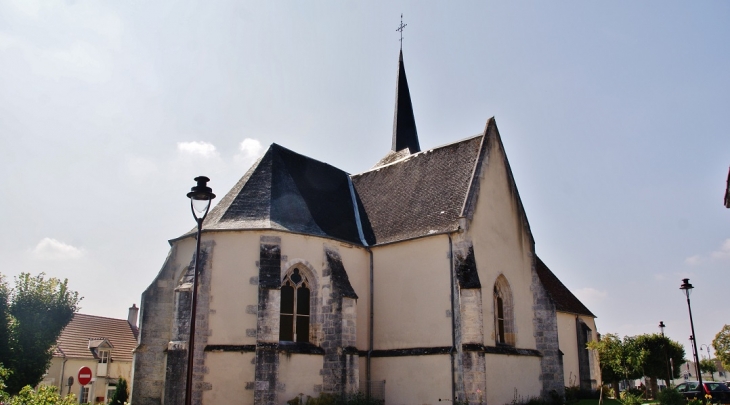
(590, 295)
(204, 149)
(723, 252)
(693, 260)
(249, 151)
(52, 249)
(252, 148)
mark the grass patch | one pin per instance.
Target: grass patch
(610, 401)
(606, 401)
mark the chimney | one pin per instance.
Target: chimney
(132, 317)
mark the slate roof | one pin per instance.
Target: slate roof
(84, 329)
(420, 194)
(288, 191)
(564, 300)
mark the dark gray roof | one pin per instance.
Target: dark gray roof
(420, 194)
(405, 135)
(288, 191)
(564, 300)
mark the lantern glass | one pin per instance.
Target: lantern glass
(200, 207)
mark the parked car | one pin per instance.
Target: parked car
(719, 391)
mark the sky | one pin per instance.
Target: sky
(613, 116)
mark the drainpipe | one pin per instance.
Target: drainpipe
(368, 371)
(63, 369)
(453, 320)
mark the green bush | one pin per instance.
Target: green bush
(671, 396)
(46, 395)
(121, 394)
(628, 398)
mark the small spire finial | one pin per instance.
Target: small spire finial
(400, 29)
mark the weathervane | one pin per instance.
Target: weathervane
(400, 29)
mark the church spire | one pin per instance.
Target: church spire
(404, 123)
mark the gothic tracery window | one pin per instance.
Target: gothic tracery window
(294, 318)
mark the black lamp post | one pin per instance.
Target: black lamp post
(200, 198)
(669, 375)
(686, 287)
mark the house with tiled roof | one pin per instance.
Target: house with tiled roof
(105, 345)
(414, 282)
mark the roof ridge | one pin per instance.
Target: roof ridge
(418, 153)
(99, 316)
(307, 157)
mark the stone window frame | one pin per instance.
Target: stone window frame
(300, 306)
(502, 294)
(310, 274)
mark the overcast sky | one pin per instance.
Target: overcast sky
(614, 117)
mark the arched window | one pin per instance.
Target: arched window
(294, 318)
(499, 324)
(503, 313)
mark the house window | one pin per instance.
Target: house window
(503, 313)
(84, 395)
(104, 356)
(294, 319)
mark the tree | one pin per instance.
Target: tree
(34, 312)
(659, 350)
(121, 395)
(620, 359)
(721, 343)
(708, 366)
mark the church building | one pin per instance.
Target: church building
(414, 282)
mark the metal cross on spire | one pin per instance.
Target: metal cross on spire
(400, 29)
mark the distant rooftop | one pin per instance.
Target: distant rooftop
(88, 331)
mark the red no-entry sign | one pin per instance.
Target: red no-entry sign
(84, 376)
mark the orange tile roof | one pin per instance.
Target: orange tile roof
(74, 339)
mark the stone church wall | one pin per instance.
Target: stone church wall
(412, 294)
(156, 313)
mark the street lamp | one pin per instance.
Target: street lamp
(669, 374)
(200, 198)
(686, 287)
(709, 354)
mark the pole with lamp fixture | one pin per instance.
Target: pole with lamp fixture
(709, 353)
(686, 287)
(709, 357)
(200, 198)
(666, 360)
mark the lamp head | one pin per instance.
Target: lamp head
(201, 191)
(200, 196)
(686, 287)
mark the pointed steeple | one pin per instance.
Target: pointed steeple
(404, 123)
